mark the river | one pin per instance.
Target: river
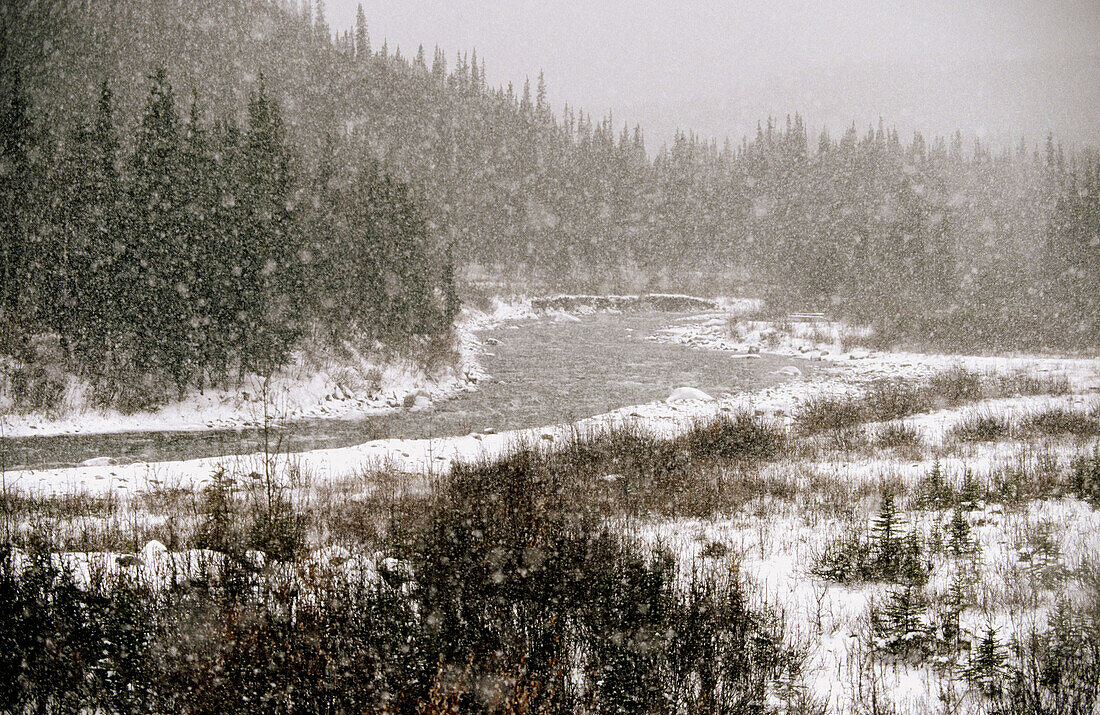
(541, 372)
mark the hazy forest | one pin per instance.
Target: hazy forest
(200, 198)
(206, 110)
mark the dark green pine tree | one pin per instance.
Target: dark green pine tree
(156, 295)
(414, 310)
(203, 263)
(958, 539)
(360, 293)
(884, 531)
(226, 277)
(271, 266)
(17, 255)
(105, 324)
(329, 249)
(71, 255)
(1071, 261)
(320, 25)
(451, 302)
(362, 38)
(901, 617)
(971, 492)
(913, 570)
(987, 659)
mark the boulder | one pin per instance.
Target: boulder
(153, 550)
(99, 462)
(688, 394)
(789, 371)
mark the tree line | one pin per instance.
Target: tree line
(944, 238)
(205, 251)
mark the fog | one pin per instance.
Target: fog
(717, 67)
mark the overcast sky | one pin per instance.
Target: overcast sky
(702, 64)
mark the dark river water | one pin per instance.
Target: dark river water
(540, 372)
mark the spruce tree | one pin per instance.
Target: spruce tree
(362, 38)
(106, 323)
(987, 659)
(884, 531)
(204, 345)
(17, 292)
(72, 255)
(959, 533)
(271, 266)
(155, 300)
(228, 242)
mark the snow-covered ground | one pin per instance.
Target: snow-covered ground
(354, 385)
(350, 386)
(848, 370)
(829, 343)
(1014, 588)
(773, 541)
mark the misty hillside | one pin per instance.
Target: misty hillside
(575, 201)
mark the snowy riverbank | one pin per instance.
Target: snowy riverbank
(313, 387)
(840, 371)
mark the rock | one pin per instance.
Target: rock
(488, 430)
(492, 341)
(153, 550)
(420, 404)
(99, 462)
(130, 560)
(547, 437)
(789, 371)
(609, 478)
(754, 350)
(688, 394)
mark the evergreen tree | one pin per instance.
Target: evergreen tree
(106, 323)
(227, 239)
(884, 530)
(271, 266)
(203, 273)
(152, 268)
(362, 38)
(986, 667)
(17, 254)
(901, 618)
(959, 533)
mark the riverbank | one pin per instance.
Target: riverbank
(986, 470)
(314, 386)
(466, 430)
(348, 386)
(989, 495)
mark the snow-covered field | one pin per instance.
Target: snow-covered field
(1024, 557)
